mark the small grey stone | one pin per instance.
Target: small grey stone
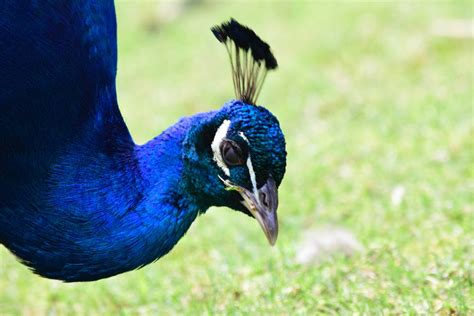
(320, 244)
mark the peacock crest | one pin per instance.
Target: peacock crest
(250, 58)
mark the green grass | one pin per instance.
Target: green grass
(369, 99)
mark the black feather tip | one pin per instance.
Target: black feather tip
(245, 38)
(248, 53)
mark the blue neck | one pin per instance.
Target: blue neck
(115, 211)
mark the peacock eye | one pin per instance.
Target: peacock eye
(232, 153)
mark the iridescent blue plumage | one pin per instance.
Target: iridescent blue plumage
(79, 200)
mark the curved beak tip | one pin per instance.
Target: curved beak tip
(271, 231)
(272, 239)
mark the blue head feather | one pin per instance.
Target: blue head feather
(266, 142)
(266, 146)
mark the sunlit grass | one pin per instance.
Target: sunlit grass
(369, 100)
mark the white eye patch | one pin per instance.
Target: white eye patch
(216, 143)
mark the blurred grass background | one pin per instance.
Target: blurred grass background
(376, 102)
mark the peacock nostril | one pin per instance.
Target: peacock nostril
(264, 199)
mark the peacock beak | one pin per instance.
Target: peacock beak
(262, 204)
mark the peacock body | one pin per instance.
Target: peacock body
(79, 200)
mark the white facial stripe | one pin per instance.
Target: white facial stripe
(241, 134)
(216, 142)
(253, 178)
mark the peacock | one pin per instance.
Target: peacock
(79, 200)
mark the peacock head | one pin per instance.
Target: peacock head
(248, 149)
(240, 149)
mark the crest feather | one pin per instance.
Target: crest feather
(250, 58)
